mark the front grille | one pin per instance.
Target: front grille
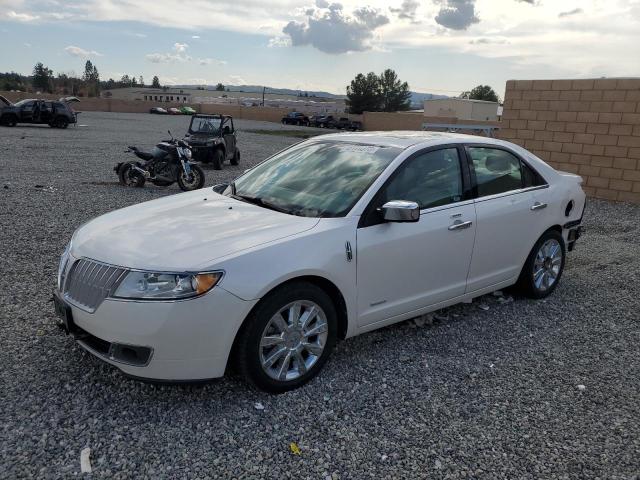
(88, 283)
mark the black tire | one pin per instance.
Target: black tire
(236, 158)
(129, 177)
(539, 268)
(59, 122)
(217, 157)
(196, 182)
(9, 120)
(247, 351)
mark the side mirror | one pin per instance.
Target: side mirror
(219, 188)
(400, 211)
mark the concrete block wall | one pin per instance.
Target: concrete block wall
(590, 127)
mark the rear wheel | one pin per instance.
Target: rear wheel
(193, 181)
(236, 158)
(9, 120)
(217, 157)
(544, 266)
(59, 122)
(129, 177)
(288, 338)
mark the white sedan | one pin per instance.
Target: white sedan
(330, 238)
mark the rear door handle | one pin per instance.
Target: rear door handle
(538, 206)
(458, 225)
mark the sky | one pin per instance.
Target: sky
(438, 46)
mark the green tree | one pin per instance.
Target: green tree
(91, 79)
(481, 92)
(141, 81)
(155, 83)
(396, 96)
(13, 81)
(364, 94)
(42, 78)
(219, 87)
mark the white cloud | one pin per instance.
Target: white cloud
(330, 30)
(81, 52)
(167, 58)
(237, 80)
(211, 61)
(19, 17)
(195, 37)
(457, 14)
(180, 47)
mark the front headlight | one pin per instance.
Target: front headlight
(187, 153)
(166, 286)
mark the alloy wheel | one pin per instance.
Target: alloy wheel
(547, 265)
(293, 340)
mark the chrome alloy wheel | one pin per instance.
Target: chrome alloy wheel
(547, 264)
(293, 340)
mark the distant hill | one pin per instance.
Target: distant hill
(417, 98)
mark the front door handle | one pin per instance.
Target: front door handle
(458, 225)
(538, 206)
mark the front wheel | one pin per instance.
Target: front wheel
(287, 339)
(60, 122)
(217, 157)
(236, 158)
(9, 120)
(193, 181)
(544, 266)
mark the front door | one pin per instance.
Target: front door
(402, 267)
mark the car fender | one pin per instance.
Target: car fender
(318, 252)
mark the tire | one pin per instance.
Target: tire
(129, 177)
(544, 266)
(280, 362)
(60, 122)
(236, 158)
(217, 157)
(9, 120)
(195, 183)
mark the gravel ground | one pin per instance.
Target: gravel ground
(523, 389)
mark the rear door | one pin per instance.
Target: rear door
(403, 267)
(510, 212)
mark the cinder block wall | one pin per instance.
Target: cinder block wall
(589, 127)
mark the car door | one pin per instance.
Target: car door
(509, 214)
(26, 111)
(402, 267)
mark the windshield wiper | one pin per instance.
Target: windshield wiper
(260, 202)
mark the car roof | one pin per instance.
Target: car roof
(406, 139)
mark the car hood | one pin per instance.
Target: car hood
(185, 232)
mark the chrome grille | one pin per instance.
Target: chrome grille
(88, 283)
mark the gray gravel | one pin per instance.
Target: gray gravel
(479, 394)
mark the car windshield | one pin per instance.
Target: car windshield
(22, 102)
(205, 124)
(314, 179)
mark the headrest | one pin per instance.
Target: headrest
(497, 163)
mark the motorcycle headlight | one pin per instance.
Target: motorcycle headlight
(166, 286)
(187, 153)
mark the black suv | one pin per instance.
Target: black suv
(213, 140)
(57, 114)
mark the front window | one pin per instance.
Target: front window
(205, 125)
(314, 179)
(431, 179)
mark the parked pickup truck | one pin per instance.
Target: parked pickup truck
(295, 118)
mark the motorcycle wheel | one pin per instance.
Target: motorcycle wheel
(195, 182)
(130, 177)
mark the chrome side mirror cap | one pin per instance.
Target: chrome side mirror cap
(400, 211)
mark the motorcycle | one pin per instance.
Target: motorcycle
(168, 162)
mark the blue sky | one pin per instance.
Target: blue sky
(438, 46)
